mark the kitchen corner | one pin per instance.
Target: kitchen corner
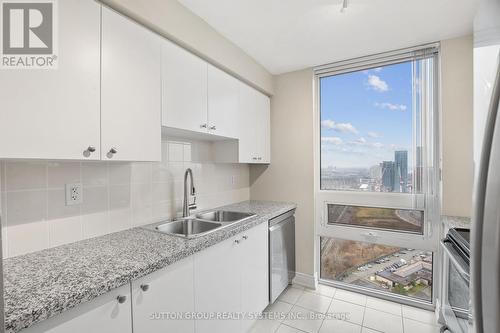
(43, 284)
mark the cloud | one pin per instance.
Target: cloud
(363, 142)
(376, 83)
(339, 127)
(374, 135)
(391, 106)
(332, 139)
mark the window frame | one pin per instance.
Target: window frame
(429, 239)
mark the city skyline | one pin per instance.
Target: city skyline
(366, 116)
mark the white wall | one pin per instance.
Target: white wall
(174, 21)
(116, 196)
(457, 125)
(290, 176)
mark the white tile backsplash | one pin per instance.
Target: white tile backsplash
(116, 195)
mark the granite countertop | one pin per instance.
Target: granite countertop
(455, 222)
(42, 284)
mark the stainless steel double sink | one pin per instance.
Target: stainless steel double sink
(201, 224)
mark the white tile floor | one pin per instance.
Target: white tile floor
(358, 314)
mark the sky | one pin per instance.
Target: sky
(366, 116)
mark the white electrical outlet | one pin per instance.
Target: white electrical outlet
(74, 194)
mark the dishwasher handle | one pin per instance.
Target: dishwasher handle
(280, 224)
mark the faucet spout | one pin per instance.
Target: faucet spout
(186, 207)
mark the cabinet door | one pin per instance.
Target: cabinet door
(254, 272)
(246, 125)
(217, 286)
(254, 126)
(222, 103)
(184, 78)
(131, 90)
(104, 314)
(54, 113)
(170, 290)
(263, 129)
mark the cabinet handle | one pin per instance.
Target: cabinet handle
(213, 128)
(236, 241)
(203, 126)
(121, 299)
(245, 237)
(111, 152)
(254, 158)
(144, 287)
(260, 158)
(88, 151)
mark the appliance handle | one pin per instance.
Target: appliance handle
(281, 224)
(452, 254)
(478, 204)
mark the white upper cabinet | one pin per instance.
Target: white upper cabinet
(254, 126)
(54, 113)
(131, 90)
(168, 290)
(222, 103)
(184, 78)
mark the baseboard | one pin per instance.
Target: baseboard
(305, 280)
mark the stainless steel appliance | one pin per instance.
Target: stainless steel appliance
(485, 263)
(281, 253)
(456, 280)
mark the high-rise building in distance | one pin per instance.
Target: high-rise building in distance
(401, 171)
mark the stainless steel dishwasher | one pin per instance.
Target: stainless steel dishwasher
(281, 253)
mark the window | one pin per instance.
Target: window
(376, 177)
(408, 220)
(402, 271)
(368, 122)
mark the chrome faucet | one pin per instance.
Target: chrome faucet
(186, 207)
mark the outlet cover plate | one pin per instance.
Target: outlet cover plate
(74, 194)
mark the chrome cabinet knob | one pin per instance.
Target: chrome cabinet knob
(213, 128)
(144, 287)
(245, 237)
(260, 158)
(112, 152)
(203, 126)
(236, 241)
(88, 151)
(121, 299)
(254, 158)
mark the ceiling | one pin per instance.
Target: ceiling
(287, 35)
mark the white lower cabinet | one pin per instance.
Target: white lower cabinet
(232, 278)
(217, 286)
(157, 296)
(109, 313)
(254, 272)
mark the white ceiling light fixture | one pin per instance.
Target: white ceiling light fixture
(344, 6)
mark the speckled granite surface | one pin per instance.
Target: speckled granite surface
(455, 222)
(42, 284)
